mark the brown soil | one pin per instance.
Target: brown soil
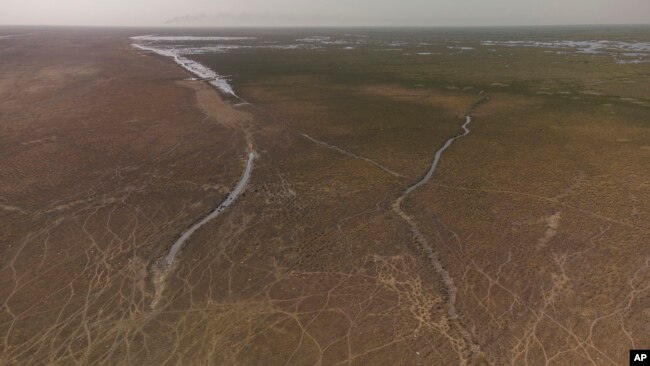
(539, 217)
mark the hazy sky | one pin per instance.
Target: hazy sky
(322, 12)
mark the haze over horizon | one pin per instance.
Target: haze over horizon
(324, 13)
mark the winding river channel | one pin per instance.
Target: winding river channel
(239, 188)
(422, 245)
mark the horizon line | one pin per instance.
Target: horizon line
(328, 26)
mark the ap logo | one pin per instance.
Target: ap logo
(639, 357)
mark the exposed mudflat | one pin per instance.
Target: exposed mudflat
(360, 208)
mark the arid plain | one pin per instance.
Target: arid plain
(417, 197)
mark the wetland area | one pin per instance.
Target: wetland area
(324, 196)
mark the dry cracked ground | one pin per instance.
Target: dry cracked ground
(528, 246)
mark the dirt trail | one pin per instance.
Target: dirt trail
(353, 155)
(472, 349)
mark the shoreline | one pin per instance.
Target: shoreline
(203, 72)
